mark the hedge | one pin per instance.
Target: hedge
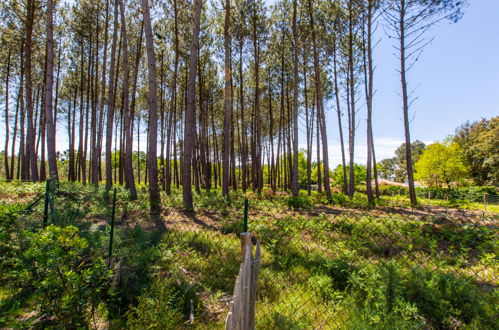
(472, 194)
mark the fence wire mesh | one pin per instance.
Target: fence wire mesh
(349, 269)
(325, 267)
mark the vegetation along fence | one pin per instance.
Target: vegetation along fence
(319, 268)
(351, 269)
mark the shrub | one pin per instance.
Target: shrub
(471, 194)
(300, 202)
(166, 305)
(10, 241)
(68, 285)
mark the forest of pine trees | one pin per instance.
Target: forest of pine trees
(222, 93)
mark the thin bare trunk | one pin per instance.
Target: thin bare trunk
(228, 101)
(7, 124)
(190, 113)
(49, 83)
(320, 107)
(152, 165)
(30, 143)
(128, 165)
(294, 180)
(110, 102)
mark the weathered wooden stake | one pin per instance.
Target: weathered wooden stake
(241, 314)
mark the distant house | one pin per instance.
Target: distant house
(384, 182)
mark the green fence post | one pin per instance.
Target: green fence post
(245, 219)
(111, 234)
(485, 201)
(46, 206)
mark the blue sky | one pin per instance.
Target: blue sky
(455, 80)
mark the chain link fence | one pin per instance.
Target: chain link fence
(343, 268)
(321, 268)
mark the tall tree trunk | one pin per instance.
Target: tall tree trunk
(103, 94)
(272, 170)
(228, 101)
(309, 123)
(94, 154)
(22, 163)
(320, 107)
(351, 80)
(87, 112)
(190, 113)
(339, 113)
(173, 106)
(152, 165)
(294, 180)
(16, 116)
(7, 124)
(257, 161)
(41, 138)
(71, 135)
(49, 84)
(369, 73)
(110, 102)
(244, 151)
(405, 101)
(128, 165)
(30, 143)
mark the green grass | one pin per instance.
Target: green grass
(403, 201)
(347, 267)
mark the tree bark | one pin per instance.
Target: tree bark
(320, 107)
(7, 124)
(110, 102)
(128, 165)
(351, 81)
(152, 165)
(369, 75)
(340, 125)
(405, 102)
(49, 84)
(228, 101)
(190, 113)
(31, 159)
(257, 155)
(294, 180)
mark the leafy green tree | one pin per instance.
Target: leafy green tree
(441, 164)
(480, 145)
(359, 170)
(387, 168)
(417, 148)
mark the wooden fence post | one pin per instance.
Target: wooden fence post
(255, 267)
(246, 283)
(241, 314)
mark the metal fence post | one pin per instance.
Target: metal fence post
(111, 234)
(245, 219)
(485, 201)
(46, 205)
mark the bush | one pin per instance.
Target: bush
(166, 305)
(392, 297)
(10, 241)
(471, 194)
(300, 202)
(68, 285)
